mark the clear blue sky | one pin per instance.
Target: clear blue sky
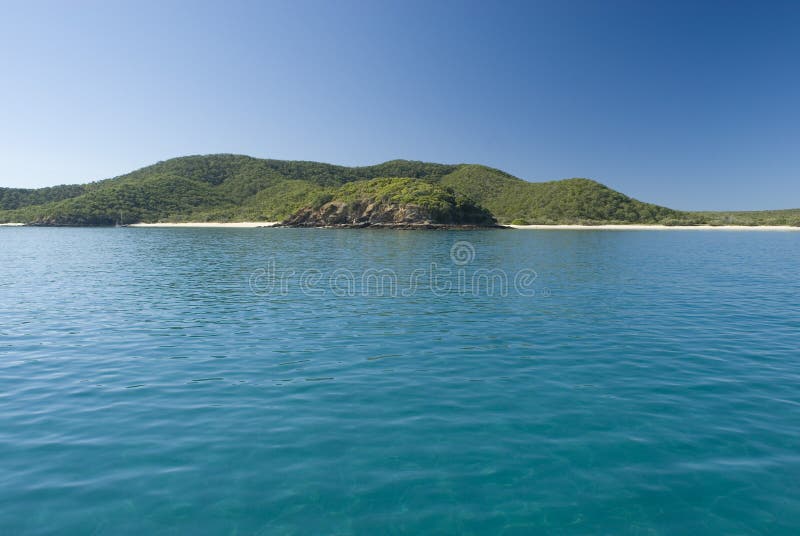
(688, 104)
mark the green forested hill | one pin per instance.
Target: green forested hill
(237, 188)
(392, 201)
(564, 201)
(13, 198)
(198, 188)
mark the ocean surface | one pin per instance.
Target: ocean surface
(291, 381)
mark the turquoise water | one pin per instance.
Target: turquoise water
(184, 381)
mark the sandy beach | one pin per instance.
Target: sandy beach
(636, 227)
(235, 225)
(11, 224)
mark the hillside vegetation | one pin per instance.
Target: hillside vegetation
(760, 217)
(13, 198)
(198, 188)
(565, 201)
(392, 201)
(239, 188)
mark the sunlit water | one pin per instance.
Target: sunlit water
(233, 381)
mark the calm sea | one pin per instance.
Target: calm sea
(288, 381)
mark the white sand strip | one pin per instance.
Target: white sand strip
(11, 224)
(638, 227)
(236, 225)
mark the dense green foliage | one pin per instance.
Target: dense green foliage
(444, 204)
(760, 217)
(237, 188)
(565, 201)
(198, 188)
(13, 198)
(127, 202)
(401, 191)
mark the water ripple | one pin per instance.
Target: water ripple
(144, 387)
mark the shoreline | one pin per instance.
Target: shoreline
(234, 225)
(657, 227)
(539, 227)
(398, 226)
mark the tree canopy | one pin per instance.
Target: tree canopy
(229, 187)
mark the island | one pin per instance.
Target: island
(227, 188)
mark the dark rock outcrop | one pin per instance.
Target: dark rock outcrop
(372, 213)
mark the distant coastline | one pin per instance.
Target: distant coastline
(207, 224)
(238, 188)
(554, 227)
(657, 227)
(605, 227)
